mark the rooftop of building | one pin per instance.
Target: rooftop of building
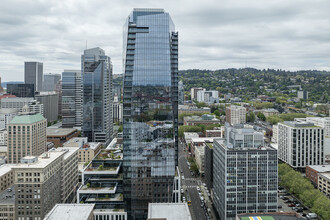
(210, 145)
(92, 145)
(186, 107)
(203, 139)
(70, 212)
(42, 161)
(300, 124)
(68, 151)
(269, 216)
(270, 110)
(169, 211)
(325, 175)
(8, 196)
(59, 132)
(231, 148)
(5, 168)
(320, 168)
(110, 155)
(27, 119)
(190, 135)
(235, 107)
(76, 142)
(205, 117)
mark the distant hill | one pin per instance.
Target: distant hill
(4, 84)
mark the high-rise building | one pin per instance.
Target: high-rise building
(193, 92)
(245, 173)
(41, 182)
(50, 80)
(21, 90)
(300, 143)
(97, 95)
(235, 114)
(117, 112)
(26, 136)
(71, 99)
(6, 115)
(150, 109)
(210, 97)
(58, 90)
(33, 74)
(181, 93)
(50, 103)
(1, 89)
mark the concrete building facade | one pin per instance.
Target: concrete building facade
(235, 114)
(300, 144)
(26, 136)
(50, 103)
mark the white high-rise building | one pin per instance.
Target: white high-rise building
(211, 96)
(323, 122)
(300, 143)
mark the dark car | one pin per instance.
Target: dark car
(291, 205)
(279, 206)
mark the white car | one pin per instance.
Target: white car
(184, 199)
(181, 190)
(198, 189)
(182, 177)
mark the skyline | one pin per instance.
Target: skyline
(276, 34)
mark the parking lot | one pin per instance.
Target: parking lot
(285, 200)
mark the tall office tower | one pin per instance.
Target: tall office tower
(150, 114)
(33, 74)
(1, 89)
(58, 90)
(50, 104)
(181, 93)
(21, 90)
(41, 182)
(97, 95)
(235, 114)
(300, 144)
(71, 99)
(26, 136)
(49, 82)
(244, 174)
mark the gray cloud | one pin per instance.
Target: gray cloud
(213, 34)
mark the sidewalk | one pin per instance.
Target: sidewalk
(208, 202)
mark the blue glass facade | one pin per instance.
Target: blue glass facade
(150, 103)
(97, 96)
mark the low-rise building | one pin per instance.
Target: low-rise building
(88, 151)
(189, 135)
(269, 112)
(197, 142)
(61, 135)
(6, 176)
(313, 171)
(201, 120)
(324, 183)
(71, 212)
(7, 204)
(215, 133)
(199, 158)
(169, 211)
(188, 109)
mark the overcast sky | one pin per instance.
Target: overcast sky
(213, 34)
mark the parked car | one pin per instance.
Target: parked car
(279, 206)
(182, 177)
(291, 205)
(300, 210)
(281, 197)
(183, 199)
(181, 190)
(198, 189)
(298, 205)
(286, 201)
(311, 215)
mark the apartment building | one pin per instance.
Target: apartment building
(300, 144)
(324, 183)
(235, 114)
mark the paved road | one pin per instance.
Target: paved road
(190, 183)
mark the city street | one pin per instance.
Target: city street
(189, 184)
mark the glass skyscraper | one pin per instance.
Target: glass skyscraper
(150, 114)
(71, 99)
(97, 95)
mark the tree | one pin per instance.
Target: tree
(120, 129)
(217, 113)
(261, 116)
(250, 117)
